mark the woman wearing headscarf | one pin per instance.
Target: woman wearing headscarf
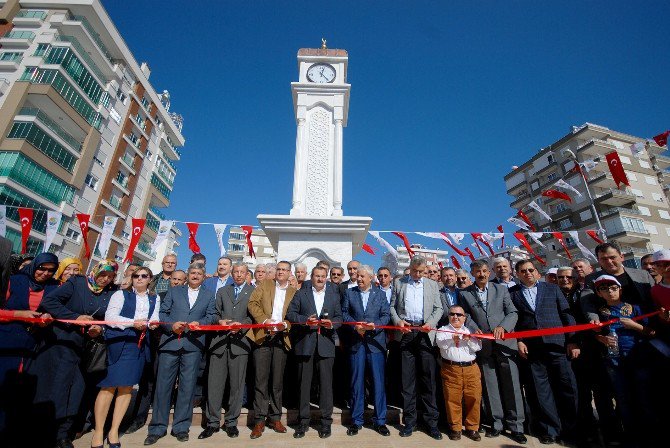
(18, 339)
(60, 380)
(67, 268)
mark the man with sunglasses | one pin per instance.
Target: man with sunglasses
(433, 272)
(541, 305)
(336, 275)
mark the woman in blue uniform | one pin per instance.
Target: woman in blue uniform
(131, 310)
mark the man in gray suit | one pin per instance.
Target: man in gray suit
(415, 302)
(229, 353)
(490, 310)
(184, 308)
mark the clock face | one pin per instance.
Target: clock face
(321, 73)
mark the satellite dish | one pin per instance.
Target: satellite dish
(514, 167)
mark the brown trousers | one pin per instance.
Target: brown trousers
(462, 386)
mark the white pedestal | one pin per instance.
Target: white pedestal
(309, 239)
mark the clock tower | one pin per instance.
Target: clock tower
(316, 228)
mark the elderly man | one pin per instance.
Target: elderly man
(183, 309)
(259, 274)
(366, 346)
(503, 272)
(550, 276)
(581, 268)
(433, 272)
(491, 310)
(463, 279)
(223, 278)
(647, 263)
(161, 281)
(336, 275)
(268, 305)
(300, 270)
(229, 353)
(385, 278)
(320, 314)
(352, 269)
(542, 305)
(415, 302)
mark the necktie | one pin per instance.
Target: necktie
(237, 291)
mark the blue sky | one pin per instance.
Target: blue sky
(446, 96)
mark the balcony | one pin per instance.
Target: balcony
(157, 213)
(636, 251)
(121, 182)
(90, 33)
(115, 202)
(615, 197)
(153, 224)
(618, 211)
(43, 142)
(144, 251)
(10, 61)
(4, 85)
(170, 149)
(74, 42)
(663, 162)
(522, 198)
(17, 39)
(31, 18)
(626, 230)
(163, 190)
(604, 180)
(595, 147)
(129, 162)
(43, 118)
(17, 167)
(134, 142)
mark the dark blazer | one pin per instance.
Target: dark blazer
(432, 305)
(499, 312)
(175, 308)
(236, 310)
(445, 306)
(378, 312)
(210, 283)
(551, 310)
(305, 340)
(591, 303)
(343, 287)
(307, 284)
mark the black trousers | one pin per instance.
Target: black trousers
(324, 367)
(269, 362)
(418, 367)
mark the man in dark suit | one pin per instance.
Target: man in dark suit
(543, 305)
(415, 302)
(319, 313)
(448, 293)
(352, 270)
(223, 276)
(229, 353)
(180, 349)
(490, 310)
(366, 346)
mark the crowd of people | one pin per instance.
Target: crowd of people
(281, 336)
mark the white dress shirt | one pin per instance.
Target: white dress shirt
(319, 297)
(414, 300)
(388, 292)
(192, 296)
(141, 309)
(221, 282)
(278, 304)
(457, 351)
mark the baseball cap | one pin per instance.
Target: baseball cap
(606, 279)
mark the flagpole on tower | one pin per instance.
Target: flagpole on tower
(571, 155)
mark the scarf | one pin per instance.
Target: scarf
(65, 263)
(30, 269)
(103, 266)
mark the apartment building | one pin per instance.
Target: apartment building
(82, 130)
(635, 217)
(432, 256)
(238, 250)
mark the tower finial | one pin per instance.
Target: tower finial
(323, 43)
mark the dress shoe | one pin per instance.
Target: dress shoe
(277, 427)
(435, 433)
(383, 430)
(134, 426)
(151, 439)
(113, 445)
(299, 432)
(64, 443)
(324, 432)
(406, 431)
(454, 435)
(353, 430)
(258, 430)
(518, 437)
(492, 432)
(180, 436)
(472, 435)
(546, 440)
(232, 431)
(208, 432)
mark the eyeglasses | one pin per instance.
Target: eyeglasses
(383, 275)
(40, 268)
(566, 276)
(432, 272)
(456, 315)
(141, 276)
(608, 288)
(529, 270)
(335, 274)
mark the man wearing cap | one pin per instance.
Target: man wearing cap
(550, 276)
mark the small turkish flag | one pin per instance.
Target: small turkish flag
(367, 248)
(455, 262)
(559, 237)
(83, 225)
(192, 232)
(614, 163)
(594, 234)
(138, 226)
(662, 139)
(555, 194)
(248, 230)
(405, 241)
(526, 219)
(26, 218)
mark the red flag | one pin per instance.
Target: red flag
(439, 263)
(192, 232)
(367, 248)
(478, 236)
(405, 241)
(559, 237)
(248, 230)
(83, 225)
(26, 218)
(555, 194)
(525, 218)
(522, 239)
(594, 234)
(456, 249)
(138, 226)
(502, 241)
(614, 163)
(469, 253)
(662, 139)
(455, 262)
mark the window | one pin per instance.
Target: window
(121, 96)
(631, 176)
(585, 215)
(91, 181)
(72, 234)
(565, 224)
(651, 229)
(11, 56)
(561, 208)
(651, 180)
(657, 197)
(644, 164)
(535, 185)
(637, 192)
(552, 176)
(550, 158)
(236, 247)
(644, 211)
(625, 160)
(664, 214)
(125, 235)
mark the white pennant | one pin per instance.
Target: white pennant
(536, 237)
(164, 228)
(497, 236)
(108, 225)
(53, 222)
(382, 242)
(563, 184)
(637, 149)
(585, 250)
(535, 206)
(588, 165)
(519, 223)
(434, 235)
(3, 220)
(220, 229)
(457, 237)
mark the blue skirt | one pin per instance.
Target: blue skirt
(127, 370)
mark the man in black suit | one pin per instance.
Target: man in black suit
(319, 313)
(352, 270)
(543, 305)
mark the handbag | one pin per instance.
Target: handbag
(94, 358)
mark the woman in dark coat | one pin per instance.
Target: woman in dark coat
(60, 382)
(18, 339)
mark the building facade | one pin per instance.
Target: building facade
(238, 250)
(81, 128)
(432, 256)
(635, 217)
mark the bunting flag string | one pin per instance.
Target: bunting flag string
(559, 237)
(248, 230)
(594, 234)
(525, 219)
(455, 262)
(662, 138)
(367, 248)
(585, 251)
(502, 238)
(563, 184)
(219, 229)
(53, 222)
(137, 226)
(405, 241)
(385, 244)
(470, 254)
(522, 239)
(535, 206)
(192, 232)
(555, 194)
